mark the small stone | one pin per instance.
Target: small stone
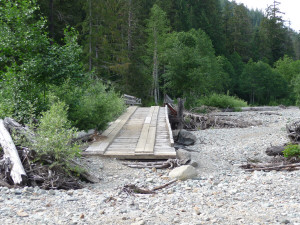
(81, 216)
(149, 180)
(21, 213)
(101, 212)
(193, 163)
(176, 220)
(285, 222)
(72, 199)
(197, 210)
(141, 222)
(51, 192)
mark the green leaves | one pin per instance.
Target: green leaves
(54, 135)
(261, 83)
(292, 151)
(192, 68)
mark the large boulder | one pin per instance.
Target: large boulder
(186, 138)
(183, 172)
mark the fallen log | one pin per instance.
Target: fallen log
(253, 167)
(84, 136)
(17, 172)
(21, 131)
(170, 163)
(132, 188)
(261, 108)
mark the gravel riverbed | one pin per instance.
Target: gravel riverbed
(222, 193)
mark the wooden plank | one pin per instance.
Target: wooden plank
(169, 127)
(149, 147)
(143, 139)
(146, 141)
(112, 132)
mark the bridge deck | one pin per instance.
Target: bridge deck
(140, 133)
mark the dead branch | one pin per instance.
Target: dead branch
(133, 189)
(170, 163)
(268, 167)
(164, 185)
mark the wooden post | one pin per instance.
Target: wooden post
(180, 113)
(17, 173)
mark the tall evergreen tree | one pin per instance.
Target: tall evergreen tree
(275, 34)
(157, 28)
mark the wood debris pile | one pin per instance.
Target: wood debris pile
(281, 163)
(19, 165)
(194, 121)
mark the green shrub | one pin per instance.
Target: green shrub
(222, 101)
(292, 151)
(92, 105)
(54, 134)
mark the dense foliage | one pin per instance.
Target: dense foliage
(53, 137)
(292, 151)
(222, 101)
(34, 67)
(144, 48)
(132, 44)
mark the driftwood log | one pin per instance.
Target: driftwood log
(262, 108)
(133, 189)
(85, 136)
(16, 170)
(21, 131)
(170, 163)
(269, 167)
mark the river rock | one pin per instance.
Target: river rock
(186, 138)
(183, 172)
(183, 155)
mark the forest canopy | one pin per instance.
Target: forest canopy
(82, 51)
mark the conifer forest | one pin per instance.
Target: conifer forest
(87, 53)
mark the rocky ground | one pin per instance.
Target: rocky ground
(222, 193)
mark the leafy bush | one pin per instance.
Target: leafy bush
(222, 101)
(292, 151)
(92, 105)
(54, 134)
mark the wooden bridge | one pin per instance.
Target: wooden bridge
(140, 133)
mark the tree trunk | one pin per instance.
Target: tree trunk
(17, 172)
(129, 42)
(90, 39)
(155, 69)
(51, 21)
(180, 113)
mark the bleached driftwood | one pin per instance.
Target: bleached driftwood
(21, 131)
(84, 135)
(17, 172)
